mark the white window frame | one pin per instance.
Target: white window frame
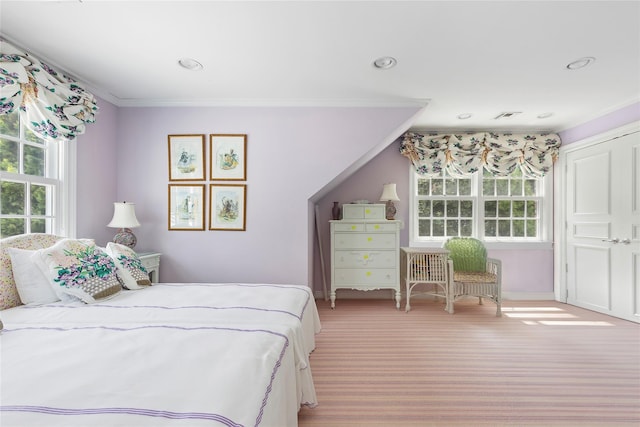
(545, 238)
(67, 165)
(62, 170)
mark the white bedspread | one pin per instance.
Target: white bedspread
(133, 375)
(187, 354)
(195, 302)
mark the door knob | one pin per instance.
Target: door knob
(625, 241)
(616, 240)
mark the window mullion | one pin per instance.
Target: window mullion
(10, 176)
(66, 192)
(478, 205)
(27, 206)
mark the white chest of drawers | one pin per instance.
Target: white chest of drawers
(365, 255)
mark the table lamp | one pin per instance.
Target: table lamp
(389, 196)
(124, 218)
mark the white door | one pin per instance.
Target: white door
(602, 233)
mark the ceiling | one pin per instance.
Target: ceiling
(482, 58)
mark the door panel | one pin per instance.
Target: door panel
(595, 285)
(602, 222)
(593, 173)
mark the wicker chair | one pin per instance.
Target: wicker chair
(473, 273)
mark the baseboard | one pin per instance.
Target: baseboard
(388, 294)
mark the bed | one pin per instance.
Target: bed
(187, 354)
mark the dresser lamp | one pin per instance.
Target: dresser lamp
(389, 196)
(124, 218)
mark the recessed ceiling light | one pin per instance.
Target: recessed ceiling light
(580, 63)
(545, 115)
(464, 116)
(190, 64)
(385, 62)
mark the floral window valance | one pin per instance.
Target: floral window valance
(51, 104)
(465, 153)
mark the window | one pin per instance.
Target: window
(34, 184)
(510, 209)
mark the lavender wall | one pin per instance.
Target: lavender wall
(621, 117)
(364, 184)
(97, 175)
(293, 153)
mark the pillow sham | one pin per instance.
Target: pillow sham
(32, 285)
(131, 272)
(79, 268)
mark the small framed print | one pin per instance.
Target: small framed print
(227, 207)
(186, 207)
(228, 157)
(186, 158)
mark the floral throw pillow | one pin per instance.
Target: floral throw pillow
(131, 272)
(79, 268)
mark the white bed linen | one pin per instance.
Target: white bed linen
(263, 304)
(257, 305)
(147, 375)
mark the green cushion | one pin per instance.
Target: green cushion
(467, 253)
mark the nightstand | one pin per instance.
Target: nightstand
(151, 262)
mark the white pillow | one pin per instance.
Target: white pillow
(131, 272)
(79, 268)
(32, 285)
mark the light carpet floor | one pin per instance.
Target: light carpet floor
(542, 364)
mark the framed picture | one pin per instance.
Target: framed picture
(228, 157)
(227, 207)
(186, 207)
(186, 158)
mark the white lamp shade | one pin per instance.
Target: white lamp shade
(124, 216)
(389, 193)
